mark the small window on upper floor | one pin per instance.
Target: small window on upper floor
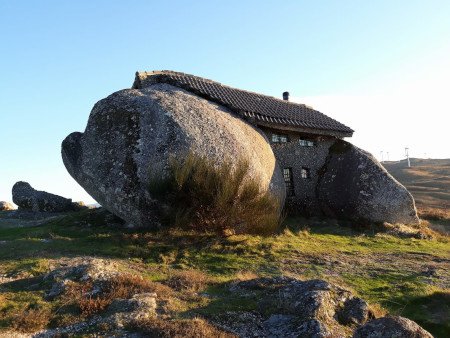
(306, 143)
(305, 173)
(279, 138)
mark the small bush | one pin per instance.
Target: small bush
(123, 286)
(188, 280)
(31, 319)
(225, 198)
(196, 327)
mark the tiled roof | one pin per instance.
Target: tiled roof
(264, 109)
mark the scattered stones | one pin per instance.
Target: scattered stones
(355, 186)
(30, 199)
(132, 134)
(286, 307)
(6, 206)
(96, 271)
(391, 327)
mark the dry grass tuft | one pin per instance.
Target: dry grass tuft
(208, 198)
(377, 310)
(245, 276)
(434, 214)
(196, 327)
(188, 280)
(31, 319)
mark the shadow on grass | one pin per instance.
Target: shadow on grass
(90, 232)
(432, 312)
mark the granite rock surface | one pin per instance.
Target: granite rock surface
(132, 134)
(355, 186)
(30, 199)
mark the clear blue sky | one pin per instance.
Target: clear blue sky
(59, 57)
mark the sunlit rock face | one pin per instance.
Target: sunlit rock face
(132, 133)
(354, 185)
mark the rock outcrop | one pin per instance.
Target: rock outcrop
(132, 134)
(287, 307)
(30, 199)
(354, 185)
(6, 206)
(390, 327)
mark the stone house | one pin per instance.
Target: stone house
(299, 135)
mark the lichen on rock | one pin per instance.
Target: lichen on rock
(133, 133)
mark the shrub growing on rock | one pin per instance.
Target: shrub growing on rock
(227, 199)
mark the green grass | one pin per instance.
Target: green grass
(382, 269)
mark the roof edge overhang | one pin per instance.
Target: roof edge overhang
(315, 131)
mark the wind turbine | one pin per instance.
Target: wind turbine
(407, 156)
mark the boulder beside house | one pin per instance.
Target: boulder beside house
(295, 150)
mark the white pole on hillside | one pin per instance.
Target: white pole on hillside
(407, 156)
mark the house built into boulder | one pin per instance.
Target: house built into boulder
(301, 139)
(296, 151)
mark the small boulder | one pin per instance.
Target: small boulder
(6, 206)
(354, 185)
(30, 199)
(391, 327)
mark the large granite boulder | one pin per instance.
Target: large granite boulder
(354, 185)
(391, 327)
(27, 198)
(6, 206)
(132, 133)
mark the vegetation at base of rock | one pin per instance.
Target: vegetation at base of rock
(406, 276)
(224, 199)
(196, 327)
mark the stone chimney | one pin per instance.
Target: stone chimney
(286, 96)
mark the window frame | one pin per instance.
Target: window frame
(305, 173)
(279, 138)
(288, 178)
(304, 142)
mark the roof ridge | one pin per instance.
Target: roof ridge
(162, 72)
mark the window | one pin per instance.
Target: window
(305, 173)
(289, 181)
(279, 138)
(306, 143)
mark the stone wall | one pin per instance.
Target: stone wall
(295, 156)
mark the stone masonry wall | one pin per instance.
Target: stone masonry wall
(292, 155)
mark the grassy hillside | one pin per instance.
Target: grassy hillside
(405, 276)
(427, 179)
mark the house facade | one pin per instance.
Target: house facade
(299, 135)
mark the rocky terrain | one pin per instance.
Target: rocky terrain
(81, 273)
(371, 269)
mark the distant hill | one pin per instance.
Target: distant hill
(428, 180)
